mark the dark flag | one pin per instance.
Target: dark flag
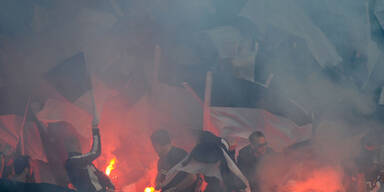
(228, 91)
(16, 101)
(12, 101)
(70, 78)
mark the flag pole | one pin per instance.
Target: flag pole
(154, 79)
(95, 114)
(207, 101)
(21, 137)
(156, 64)
(96, 118)
(193, 93)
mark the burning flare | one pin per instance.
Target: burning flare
(110, 167)
(149, 189)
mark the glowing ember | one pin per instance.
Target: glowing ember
(149, 189)
(110, 167)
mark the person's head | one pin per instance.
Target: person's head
(209, 148)
(258, 142)
(21, 168)
(21, 164)
(161, 142)
(208, 137)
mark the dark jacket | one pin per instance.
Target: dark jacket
(174, 156)
(248, 163)
(210, 150)
(84, 176)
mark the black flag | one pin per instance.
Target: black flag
(70, 78)
(228, 91)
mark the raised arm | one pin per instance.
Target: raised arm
(95, 150)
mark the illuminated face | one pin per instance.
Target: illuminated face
(259, 145)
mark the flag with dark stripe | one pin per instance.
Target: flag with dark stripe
(71, 77)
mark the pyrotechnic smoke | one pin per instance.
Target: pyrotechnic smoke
(119, 39)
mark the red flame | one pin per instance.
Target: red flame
(321, 180)
(110, 167)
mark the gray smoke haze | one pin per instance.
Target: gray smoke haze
(320, 53)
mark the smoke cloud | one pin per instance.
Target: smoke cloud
(320, 53)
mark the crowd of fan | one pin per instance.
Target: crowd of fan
(213, 165)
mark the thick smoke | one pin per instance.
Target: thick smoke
(320, 54)
(337, 92)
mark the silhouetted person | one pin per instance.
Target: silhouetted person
(169, 157)
(250, 156)
(22, 171)
(211, 158)
(7, 155)
(84, 176)
(370, 161)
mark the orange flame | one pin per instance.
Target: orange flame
(322, 180)
(110, 167)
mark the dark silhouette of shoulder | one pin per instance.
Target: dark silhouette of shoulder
(176, 155)
(245, 150)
